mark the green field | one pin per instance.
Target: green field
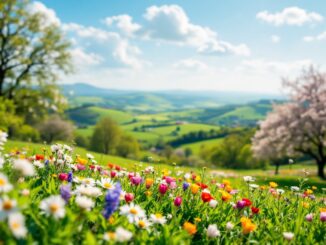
(196, 147)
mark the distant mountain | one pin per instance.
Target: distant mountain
(80, 94)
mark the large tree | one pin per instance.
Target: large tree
(297, 127)
(33, 51)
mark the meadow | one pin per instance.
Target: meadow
(95, 200)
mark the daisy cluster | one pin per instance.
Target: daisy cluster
(56, 197)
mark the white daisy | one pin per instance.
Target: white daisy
(7, 206)
(248, 179)
(84, 181)
(158, 219)
(24, 166)
(295, 188)
(253, 186)
(122, 235)
(106, 183)
(89, 156)
(84, 202)
(132, 212)
(288, 235)
(5, 186)
(38, 164)
(212, 231)
(212, 203)
(90, 191)
(142, 222)
(53, 205)
(16, 222)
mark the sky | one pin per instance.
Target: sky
(231, 45)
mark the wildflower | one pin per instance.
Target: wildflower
(288, 235)
(247, 225)
(226, 182)
(142, 222)
(280, 191)
(273, 184)
(5, 186)
(16, 222)
(229, 226)
(7, 206)
(84, 202)
(89, 156)
(247, 202)
(2, 161)
(323, 216)
(295, 188)
(190, 228)
(53, 205)
(305, 204)
(129, 197)
(132, 212)
(70, 177)
(88, 191)
(85, 181)
(81, 161)
(206, 197)
(197, 219)
(248, 179)
(163, 188)
(212, 231)
(177, 201)
(136, 180)
(185, 185)
(39, 157)
(226, 196)
(309, 217)
(194, 188)
(240, 204)
(112, 200)
(212, 203)
(158, 219)
(253, 186)
(148, 193)
(255, 210)
(120, 235)
(106, 183)
(63, 176)
(24, 166)
(65, 192)
(25, 192)
(149, 182)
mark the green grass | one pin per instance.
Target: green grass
(118, 116)
(245, 112)
(196, 147)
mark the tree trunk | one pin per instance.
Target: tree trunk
(321, 165)
(277, 166)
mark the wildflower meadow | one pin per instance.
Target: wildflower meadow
(56, 197)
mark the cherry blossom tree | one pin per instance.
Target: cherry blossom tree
(297, 127)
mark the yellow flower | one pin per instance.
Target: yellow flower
(263, 187)
(226, 182)
(149, 182)
(81, 161)
(228, 188)
(322, 210)
(197, 178)
(273, 184)
(148, 193)
(314, 187)
(111, 220)
(309, 192)
(197, 220)
(194, 188)
(305, 204)
(54, 175)
(226, 196)
(190, 228)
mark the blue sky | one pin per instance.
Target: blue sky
(232, 45)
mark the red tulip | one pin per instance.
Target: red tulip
(63, 176)
(129, 197)
(163, 188)
(255, 210)
(113, 174)
(247, 202)
(177, 201)
(39, 157)
(206, 197)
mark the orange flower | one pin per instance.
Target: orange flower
(226, 182)
(305, 204)
(190, 228)
(148, 193)
(273, 184)
(228, 188)
(263, 187)
(322, 210)
(308, 192)
(82, 161)
(149, 182)
(247, 225)
(226, 196)
(194, 188)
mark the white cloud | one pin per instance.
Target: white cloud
(190, 65)
(319, 37)
(124, 23)
(275, 39)
(290, 16)
(49, 15)
(111, 45)
(170, 23)
(81, 58)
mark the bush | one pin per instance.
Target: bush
(27, 133)
(81, 141)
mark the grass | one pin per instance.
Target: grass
(196, 147)
(118, 116)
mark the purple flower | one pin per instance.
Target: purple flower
(65, 192)
(309, 217)
(70, 177)
(240, 204)
(112, 200)
(185, 185)
(323, 216)
(136, 180)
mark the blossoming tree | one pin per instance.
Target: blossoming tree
(297, 127)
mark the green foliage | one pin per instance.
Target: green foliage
(8, 119)
(26, 133)
(81, 141)
(128, 147)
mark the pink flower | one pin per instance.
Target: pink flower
(80, 167)
(177, 201)
(173, 185)
(169, 180)
(136, 180)
(63, 176)
(309, 217)
(323, 216)
(113, 174)
(163, 188)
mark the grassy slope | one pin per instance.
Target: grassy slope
(195, 147)
(118, 116)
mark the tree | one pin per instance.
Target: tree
(297, 127)
(55, 128)
(106, 136)
(128, 147)
(33, 52)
